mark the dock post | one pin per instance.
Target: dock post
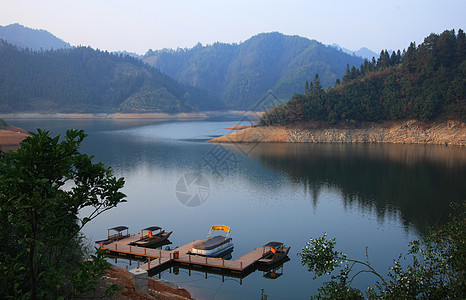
(138, 264)
(130, 248)
(160, 253)
(139, 280)
(241, 264)
(223, 278)
(149, 263)
(160, 260)
(189, 258)
(116, 246)
(223, 263)
(206, 260)
(144, 251)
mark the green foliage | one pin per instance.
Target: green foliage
(89, 273)
(82, 79)
(241, 74)
(424, 83)
(437, 269)
(43, 188)
(320, 257)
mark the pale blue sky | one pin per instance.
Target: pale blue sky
(138, 25)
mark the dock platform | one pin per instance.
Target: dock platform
(158, 259)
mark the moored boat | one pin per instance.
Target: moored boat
(152, 236)
(118, 235)
(214, 245)
(273, 252)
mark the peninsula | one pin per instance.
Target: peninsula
(412, 97)
(11, 137)
(451, 133)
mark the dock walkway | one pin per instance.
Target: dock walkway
(159, 258)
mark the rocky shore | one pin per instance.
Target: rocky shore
(157, 290)
(11, 137)
(451, 133)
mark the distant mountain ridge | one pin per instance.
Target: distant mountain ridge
(241, 74)
(34, 39)
(364, 52)
(84, 80)
(237, 76)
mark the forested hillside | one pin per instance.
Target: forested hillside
(86, 80)
(424, 82)
(241, 74)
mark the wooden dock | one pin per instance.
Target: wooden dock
(158, 259)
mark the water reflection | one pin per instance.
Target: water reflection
(363, 195)
(412, 181)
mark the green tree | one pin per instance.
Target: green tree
(317, 86)
(43, 188)
(437, 269)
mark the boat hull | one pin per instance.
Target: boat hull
(212, 251)
(218, 251)
(154, 241)
(270, 258)
(112, 239)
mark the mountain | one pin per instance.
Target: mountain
(34, 39)
(366, 53)
(363, 52)
(82, 79)
(427, 83)
(242, 74)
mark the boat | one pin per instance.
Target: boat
(273, 252)
(152, 236)
(214, 245)
(118, 235)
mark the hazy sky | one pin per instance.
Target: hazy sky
(139, 25)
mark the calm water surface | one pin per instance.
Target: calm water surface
(382, 196)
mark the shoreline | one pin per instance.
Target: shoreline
(448, 133)
(200, 115)
(78, 116)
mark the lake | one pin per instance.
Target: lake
(379, 196)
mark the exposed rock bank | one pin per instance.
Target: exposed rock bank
(11, 137)
(157, 290)
(405, 132)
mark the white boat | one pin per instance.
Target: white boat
(214, 245)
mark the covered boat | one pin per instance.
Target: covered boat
(114, 234)
(214, 245)
(152, 236)
(273, 252)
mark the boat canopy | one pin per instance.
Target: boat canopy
(274, 244)
(152, 228)
(221, 227)
(119, 228)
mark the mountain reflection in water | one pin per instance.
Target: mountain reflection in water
(415, 181)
